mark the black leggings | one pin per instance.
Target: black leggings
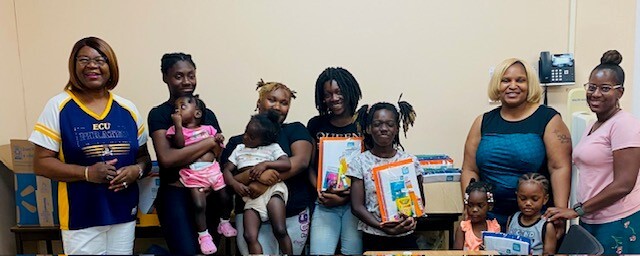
(176, 214)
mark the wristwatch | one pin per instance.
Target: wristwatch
(578, 208)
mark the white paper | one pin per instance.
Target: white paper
(336, 154)
(400, 182)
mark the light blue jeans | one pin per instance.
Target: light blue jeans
(330, 224)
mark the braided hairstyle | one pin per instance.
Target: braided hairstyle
(265, 88)
(199, 104)
(611, 60)
(406, 115)
(267, 126)
(170, 59)
(348, 85)
(480, 186)
(536, 178)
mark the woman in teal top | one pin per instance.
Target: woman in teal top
(518, 137)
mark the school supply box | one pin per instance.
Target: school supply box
(506, 244)
(36, 197)
(333, 163)
(398, 190)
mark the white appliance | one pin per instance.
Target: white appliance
(579, 123)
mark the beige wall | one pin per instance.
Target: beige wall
(437, 53)
(13, 124)
(12, 116)
(594, 37)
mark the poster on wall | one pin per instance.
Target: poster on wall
(398, 190)
(333, 163)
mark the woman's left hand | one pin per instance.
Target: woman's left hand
(339, 191)
(554, 214)
(403, 225)
(125, 177)
(331, 199)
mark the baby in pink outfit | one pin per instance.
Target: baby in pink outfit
(205, 172)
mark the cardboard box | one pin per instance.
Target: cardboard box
(147, 220)
(443, 197)
(36, 196)
(148, 189)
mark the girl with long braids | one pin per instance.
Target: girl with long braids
(337, 94)
(382, 122)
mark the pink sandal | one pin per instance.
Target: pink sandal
(225, 229)
(206, 244)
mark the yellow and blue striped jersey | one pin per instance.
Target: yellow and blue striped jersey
(83, 137)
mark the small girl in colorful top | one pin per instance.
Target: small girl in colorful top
(532, 195)
(203, 174)
(478, 200)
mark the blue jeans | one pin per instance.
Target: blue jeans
(328, 224)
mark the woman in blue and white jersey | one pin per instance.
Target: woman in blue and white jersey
(95, 144)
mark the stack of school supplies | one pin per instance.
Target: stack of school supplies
(438, 168)
(398, 190)
(442, 175)
(335, 154)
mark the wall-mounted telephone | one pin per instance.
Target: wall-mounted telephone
(556, 68)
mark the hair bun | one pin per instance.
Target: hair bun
(611, 57)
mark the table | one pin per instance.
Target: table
(433, 222)
(431, 252)
(440, 221)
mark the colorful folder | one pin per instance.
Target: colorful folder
(398, 190)
(333, 163)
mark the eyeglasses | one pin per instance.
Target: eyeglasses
(604, 88)
(100, 61)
